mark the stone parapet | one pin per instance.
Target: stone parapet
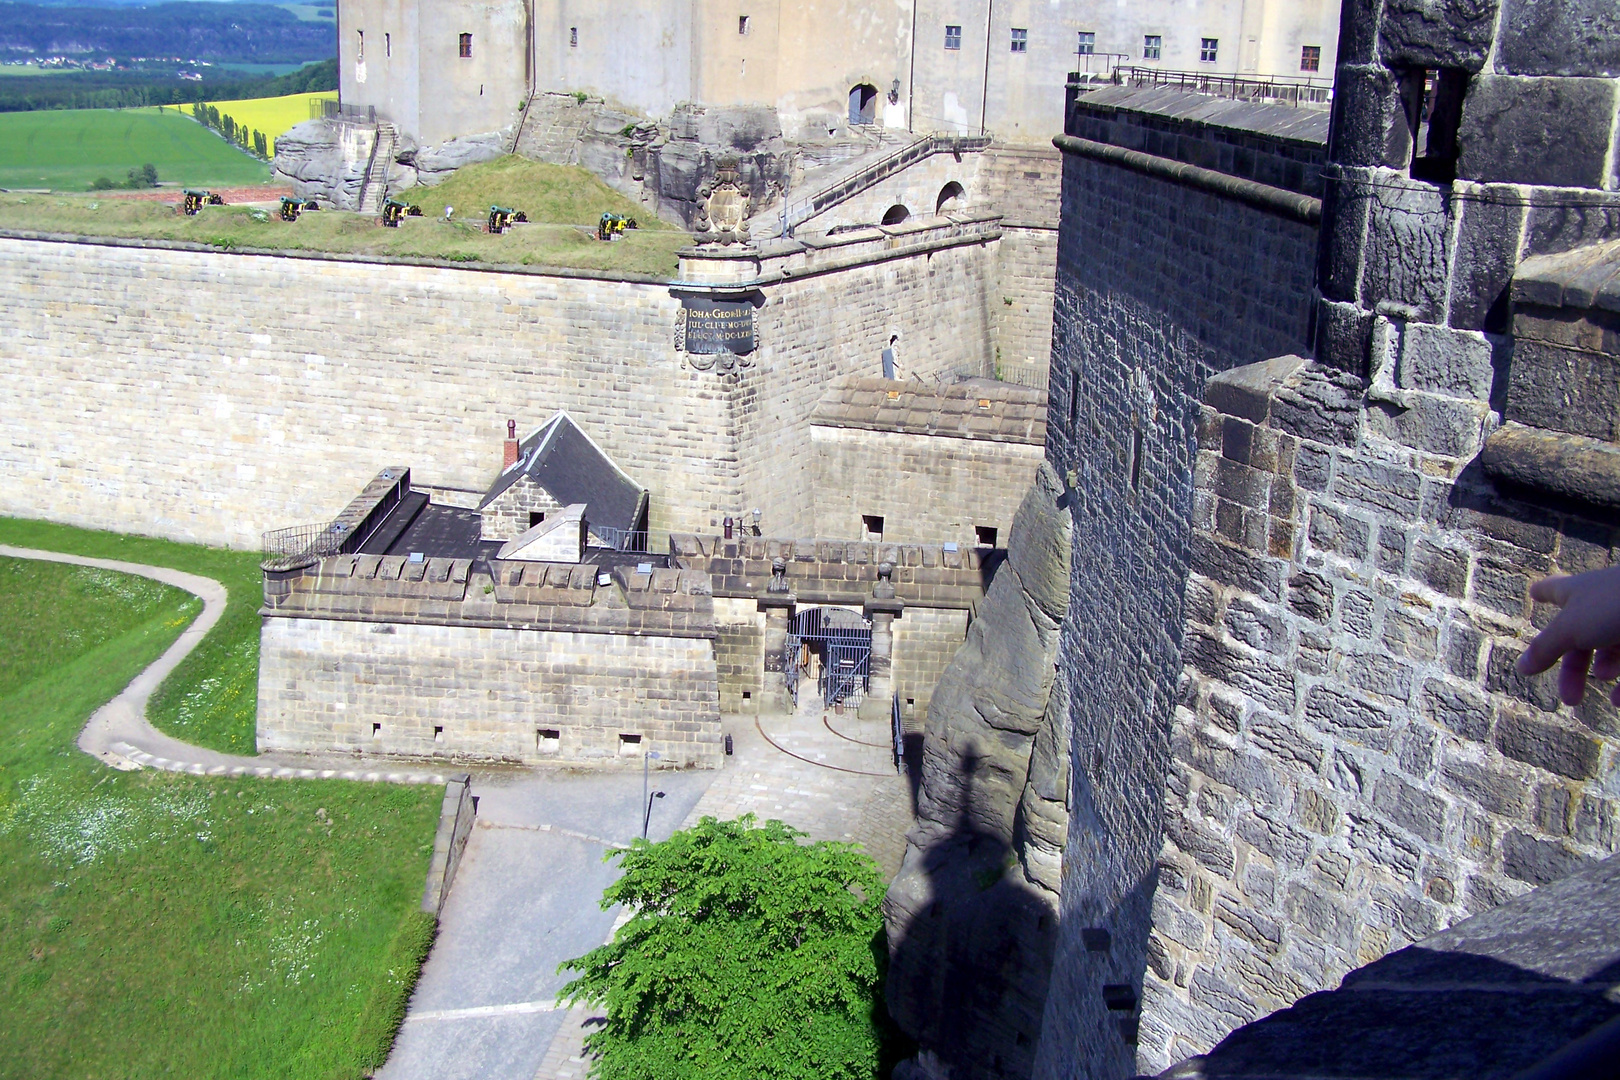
(841, 572)
(512, 595)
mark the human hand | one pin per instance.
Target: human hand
(1586, 633)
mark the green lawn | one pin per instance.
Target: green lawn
(154, 924)
(212, 698)
(66, 149)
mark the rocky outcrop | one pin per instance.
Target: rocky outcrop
(326, 160)
(972, 916)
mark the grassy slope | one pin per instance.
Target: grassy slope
(563, 201)
(154, 924)
(68, 148)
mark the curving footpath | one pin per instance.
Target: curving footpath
(119, 735)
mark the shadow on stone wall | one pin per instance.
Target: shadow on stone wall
(972, 915)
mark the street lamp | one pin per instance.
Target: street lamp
(646, 798)
(646, 818)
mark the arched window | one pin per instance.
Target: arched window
(895, 214)
(863, 104)
(950, 197)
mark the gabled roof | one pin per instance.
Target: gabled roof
(569, 465)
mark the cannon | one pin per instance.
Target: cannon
(613, 225)
(502, 218)
(395, 211)
(195, 200)
(291, 208)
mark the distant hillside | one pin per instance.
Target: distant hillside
(155, 85)
(215, 32)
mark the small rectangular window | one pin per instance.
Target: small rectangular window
(871, 527)
(953, 37)
(466, 46)
(630, 745)
(1310, 58)
(1020, 40)
(438, 734)
(984, 536)
(388, 45)
(1088, 43)
(742, 24)
(547, 740)
(536, 517)
(376, 731)
(360, 45)
(1151, 45)
(1207, 48)
(573, 37)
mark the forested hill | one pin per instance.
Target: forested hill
(192, 31)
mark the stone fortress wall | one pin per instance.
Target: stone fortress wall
(1311, 486)
(135, 397)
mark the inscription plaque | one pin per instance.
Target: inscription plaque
(718, 326)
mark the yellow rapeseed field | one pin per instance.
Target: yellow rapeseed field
(273, 115)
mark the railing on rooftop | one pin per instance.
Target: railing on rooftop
(621, 539)
(1282, 89)
(299, 546)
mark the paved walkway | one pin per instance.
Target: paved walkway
(119, 734)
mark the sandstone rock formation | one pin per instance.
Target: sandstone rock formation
(326, 160)
(972, 916)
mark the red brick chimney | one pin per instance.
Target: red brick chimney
(510, 454)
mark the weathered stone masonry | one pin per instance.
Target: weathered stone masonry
(1318, 750)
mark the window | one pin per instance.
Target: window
(536, 517)
(953, 37)
(1088, 43)
(1151, 44)
(466, 46)
(388, 44)
(547, 740)
(984, 536)
(871, 527)
(573, 37)
(359, 44)
(630, 745)
(376, 731)
(1310, 58)
(438, 734)
(1207, 48)
(742, 25)
(1020, 40)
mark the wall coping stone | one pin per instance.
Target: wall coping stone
(1276, 200)
(1247, 391)
(1585, 277)
(1574, 466)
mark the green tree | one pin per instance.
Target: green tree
(749, 956)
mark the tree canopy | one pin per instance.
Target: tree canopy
(749, 956)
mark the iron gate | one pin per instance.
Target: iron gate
(836, 645)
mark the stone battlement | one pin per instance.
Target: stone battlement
(839, 571)
(508, 594)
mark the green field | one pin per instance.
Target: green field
(66, 149)
(158, 924)
(563, 204)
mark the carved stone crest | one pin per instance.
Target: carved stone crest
(722, 207)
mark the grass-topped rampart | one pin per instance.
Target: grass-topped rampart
(154, 924)
(563, 204)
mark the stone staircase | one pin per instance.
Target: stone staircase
(374, 186)
(828, 187)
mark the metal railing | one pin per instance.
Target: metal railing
(621, 539)
(301, 545)
(1100, 63)
(1283, 89)
(327, 109)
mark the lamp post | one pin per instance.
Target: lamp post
(646, 799)
(646, 818)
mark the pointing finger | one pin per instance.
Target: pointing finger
(1552, 590)
(1572, 676)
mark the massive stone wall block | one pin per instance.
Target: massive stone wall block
(972, 915)
(1546, 131)
(1436, 33)
(1559, 37)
